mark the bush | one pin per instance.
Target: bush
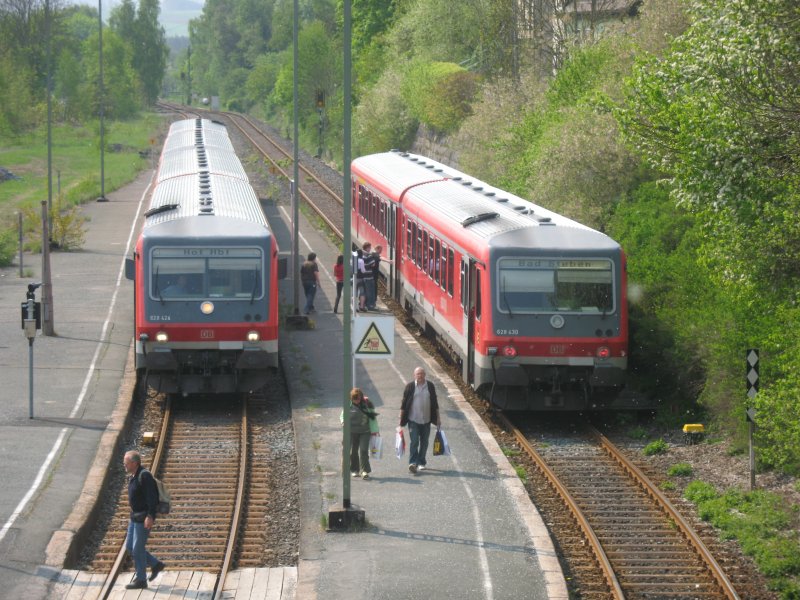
(656, 447)
(8, 246)
(681, 469)
(439, 94)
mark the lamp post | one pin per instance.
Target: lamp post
(102, 197)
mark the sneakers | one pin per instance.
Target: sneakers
(421, 468)
(156, 570)
(412, 468)
(364, 475)
(137, 584)
(354, 473)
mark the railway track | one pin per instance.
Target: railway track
(644, 548)
(208, 455)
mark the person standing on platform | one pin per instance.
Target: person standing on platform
(363, 425)
(359, 275)
(338, 275)
(143, 500)
(419, 409)
(369, 282)
(309, 277)
(376, 263)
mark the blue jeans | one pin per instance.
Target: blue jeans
(418, 438)
(369, 293)
(135, 545)
(310, 290)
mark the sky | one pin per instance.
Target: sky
(175, 14)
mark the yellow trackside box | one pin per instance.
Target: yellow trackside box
(694, 428)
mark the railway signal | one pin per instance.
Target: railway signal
(752, 378)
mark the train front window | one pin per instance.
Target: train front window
(192, 273)
(566, 285)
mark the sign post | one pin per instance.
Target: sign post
(31, 321)
(752, 378)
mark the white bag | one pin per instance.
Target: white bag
(399, 443)
(375, 447)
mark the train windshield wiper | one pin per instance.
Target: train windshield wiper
(505, 299)
(157, 290)
(255, 285)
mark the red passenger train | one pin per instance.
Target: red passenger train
(205, 271)
(531, 304)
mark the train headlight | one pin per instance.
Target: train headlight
(253, 336)
(603, 352)
(509, 351)
(207, 307)
(162, 337)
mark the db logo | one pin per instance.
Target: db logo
(206, 334)
(558, 348)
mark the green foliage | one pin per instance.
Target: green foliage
(655, 447)
(439, 94)
(681, 469)
(8, 246)
(778, 419)
(763, 525)
(382, 120)
(637, 433)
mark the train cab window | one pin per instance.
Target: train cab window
(177, 278)
(531, 286)
(234, 277)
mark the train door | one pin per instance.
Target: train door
(470, 300)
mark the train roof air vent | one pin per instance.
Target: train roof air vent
(438, 170)
(456, 178)
(478, 189)
(429, 166)
(542, 220)
(467, 183)
(502, 199)
(478, 218)
(489, 194)
(159, 209)
(207, 210)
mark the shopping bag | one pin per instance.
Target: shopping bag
(440, 445)
(399, 443)
(375, 447)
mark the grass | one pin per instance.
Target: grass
(765, 527)
(680, 469)
(75, 164)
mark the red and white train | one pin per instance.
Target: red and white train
(205, 271)
(531, 304)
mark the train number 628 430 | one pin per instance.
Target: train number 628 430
(507, 331)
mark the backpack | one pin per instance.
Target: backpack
(164, 497)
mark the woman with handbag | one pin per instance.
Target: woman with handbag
(363, 425)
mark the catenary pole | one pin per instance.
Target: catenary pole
(348, 277)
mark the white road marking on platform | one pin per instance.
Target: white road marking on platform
(60, 440)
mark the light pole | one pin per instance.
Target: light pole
(102, 197)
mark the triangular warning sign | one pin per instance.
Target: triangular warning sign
(372, 342)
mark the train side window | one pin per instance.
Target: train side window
(444, 267)
(382, 218)
(478, 294)
(373, 210)
(419, 261)
(464, 286)
(425, 256)
(437, 265)
(450, 271)
(431, 265)
(409, 240)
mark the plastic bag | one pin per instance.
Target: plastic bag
(399, 443)
(375, 447)
(440, 445)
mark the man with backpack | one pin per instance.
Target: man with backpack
(143, 500)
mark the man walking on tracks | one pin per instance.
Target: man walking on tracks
(143, 500)
(420, 408)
